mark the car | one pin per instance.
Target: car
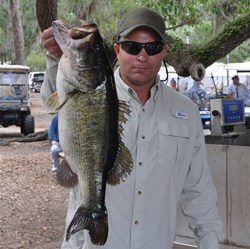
(36, 81)
(15, 98)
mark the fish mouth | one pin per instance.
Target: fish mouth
(83, 31)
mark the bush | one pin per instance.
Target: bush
(36, 61)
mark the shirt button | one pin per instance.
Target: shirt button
(139, 192)
(143, 110)
(136, 222)
(140, 163)
(142, 136)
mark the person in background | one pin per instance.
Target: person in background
(55, 148)
(165, 137)
(198, 95)
(183, 86)
(173, 84)
(238, 90)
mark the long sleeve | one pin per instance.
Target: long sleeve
(49, 84)
(199, 199)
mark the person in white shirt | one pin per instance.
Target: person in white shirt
(166, 141)
(238, 90)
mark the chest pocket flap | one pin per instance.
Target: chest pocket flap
(173, 141)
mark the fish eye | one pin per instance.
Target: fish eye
(96, 46)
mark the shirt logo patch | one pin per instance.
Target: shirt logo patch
(178, 114)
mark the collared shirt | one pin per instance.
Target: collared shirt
(166, 141)
(238, 91)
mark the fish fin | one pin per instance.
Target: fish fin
(53, 102)
(122, 167)
(61, 34)
(96, 222)
(123, 164)
(65, 176)
(123, 109)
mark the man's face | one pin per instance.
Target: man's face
(236, 81)
(139, 69)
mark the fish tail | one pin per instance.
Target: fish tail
(65, 176)
(95, 222)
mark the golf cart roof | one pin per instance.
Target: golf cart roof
(14, 68)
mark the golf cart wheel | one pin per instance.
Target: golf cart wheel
(28, 125)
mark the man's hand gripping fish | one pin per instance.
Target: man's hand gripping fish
(90, 124)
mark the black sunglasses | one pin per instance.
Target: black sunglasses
(134, 48)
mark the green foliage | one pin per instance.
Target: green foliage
(36, 60)
(241, 53)
(30, 27)
(193, 21)
(5, 26)
(109, 13)
(3, 15)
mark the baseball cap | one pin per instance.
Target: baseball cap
(140, 17)
(235, 77)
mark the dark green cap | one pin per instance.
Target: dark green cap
(142, 17)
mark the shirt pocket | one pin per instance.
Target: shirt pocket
(173, 144)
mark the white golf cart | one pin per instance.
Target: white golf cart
(14, 98)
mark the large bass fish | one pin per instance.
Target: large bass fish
(90, 121)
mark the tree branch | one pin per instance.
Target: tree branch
(183, 57)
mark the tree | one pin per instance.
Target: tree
(17, 32)
(191, 60)
(36, 60)
(48, 6)
(4, 27)
(231, 27)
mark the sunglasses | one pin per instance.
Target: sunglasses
(134, 48)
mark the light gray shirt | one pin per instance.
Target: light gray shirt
(238, 91)
(166, 140)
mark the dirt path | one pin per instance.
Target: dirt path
(32, 204)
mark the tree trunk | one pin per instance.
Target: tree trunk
(17, 32)
(46, 12)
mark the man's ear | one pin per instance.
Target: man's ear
(116, 48)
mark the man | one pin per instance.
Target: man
(238, 90)
(166, 141)
(55, 148)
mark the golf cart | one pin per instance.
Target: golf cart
(14, 98)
